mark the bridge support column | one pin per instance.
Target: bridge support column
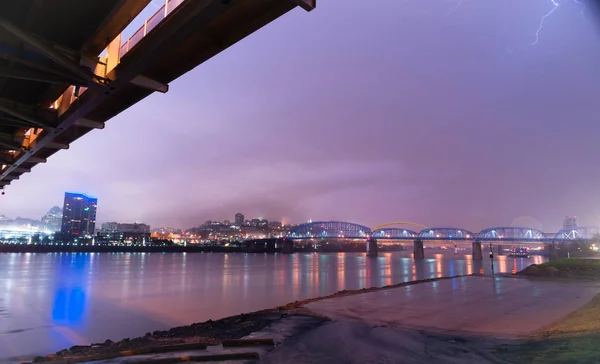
(418, 252)
(477, 255)
(500, 250)
(287, 246)
(552, 251)
(372, 250)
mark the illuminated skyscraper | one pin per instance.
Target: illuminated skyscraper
(79, 215)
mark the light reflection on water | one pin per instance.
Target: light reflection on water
(52, 301)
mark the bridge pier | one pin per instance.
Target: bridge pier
(372, 250)
(500, 249)
(477, 254)
(418, 252)
(553, 252)
(287, 246)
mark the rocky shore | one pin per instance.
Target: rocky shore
(209, 332)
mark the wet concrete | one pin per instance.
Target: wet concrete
(462, 320)
(459, 320)
(508, 308)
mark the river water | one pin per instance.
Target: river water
(52, 301)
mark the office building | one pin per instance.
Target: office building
(128, 233)
(79, 215)
(53, 219)
(239, 219)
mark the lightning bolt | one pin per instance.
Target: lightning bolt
(555, 5)
(539, 30)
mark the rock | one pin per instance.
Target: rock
(62, 352)
(38, 359)
(148, 334)
(51, 356)
(79, 347)
(107, 342)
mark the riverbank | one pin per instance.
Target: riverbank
(572, 339)
(455, 320)
(565, 268)
(209, 332)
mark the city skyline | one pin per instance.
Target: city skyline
(239, 219)
(452, 127)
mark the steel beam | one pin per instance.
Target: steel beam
(29, 160)
(54, 145)
(19, 123)
(150, 84)
(40, 76)
(307, 5)
(11, 178)
(21, 170)
(28, 115)
(124, 11)
(89, 123)
(48, 50)
(8, 144)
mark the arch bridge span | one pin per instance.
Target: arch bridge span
(341, 229)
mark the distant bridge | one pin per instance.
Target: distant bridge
(347, 230)
(340, 229)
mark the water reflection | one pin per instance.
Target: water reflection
(52, 301)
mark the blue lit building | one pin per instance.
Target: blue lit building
(79, 215)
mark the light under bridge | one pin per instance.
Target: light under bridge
(521, 235)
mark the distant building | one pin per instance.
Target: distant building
(130, 233)
(275, 224)
(239, 219)
(53, 219)
(259, 223)
(570, 223)
(79, 215)
(110, 226)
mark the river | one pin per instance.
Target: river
(51, 301)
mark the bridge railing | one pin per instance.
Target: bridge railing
(111, 61)
(148, 25)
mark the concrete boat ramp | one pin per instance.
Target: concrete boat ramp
(458, 320)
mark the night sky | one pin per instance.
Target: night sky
(362, 111)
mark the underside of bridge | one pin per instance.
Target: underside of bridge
(65, 69)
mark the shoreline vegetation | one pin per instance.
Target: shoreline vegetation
(572, 339)
(564, 268)
(209, 332)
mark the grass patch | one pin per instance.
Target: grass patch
(573, 339)
(571, 267)
(574, 264)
